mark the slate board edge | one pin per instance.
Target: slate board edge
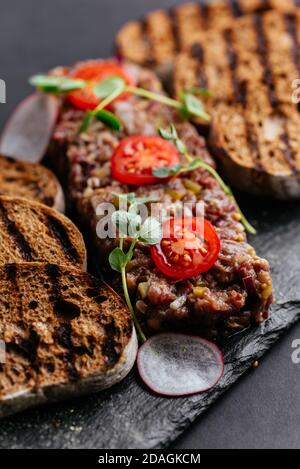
(272, 333)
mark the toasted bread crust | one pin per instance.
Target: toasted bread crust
(31, 231)
(254, 130)
(241, 58)
(75, 335)
(31, 181)
(161, 35)
(256, 127)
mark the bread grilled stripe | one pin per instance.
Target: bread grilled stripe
(63, 332)
(262, 50)
(66, 334)
(31, 181)
(254, 122)
(59, 232)
(156, 39)
(30, 231)
(239, 87)
(291, 27)
(12, 229)
(235, 8)
(198, 53)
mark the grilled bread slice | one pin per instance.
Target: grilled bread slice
(246, 56)
(161, 35)
(255, 131)
(31, 181)
(30, 231)
(65, 334)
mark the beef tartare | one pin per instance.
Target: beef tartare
(236, 291)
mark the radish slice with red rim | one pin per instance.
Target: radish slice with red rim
(28, 131)
(174, 364)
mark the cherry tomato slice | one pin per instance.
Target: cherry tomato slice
(135, 158)
(94, 72)
(189, 247)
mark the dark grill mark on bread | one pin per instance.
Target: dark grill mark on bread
(48, 201)
(175, 32)
(63, 336)
(11, 272)
(235, 8)
(288, 152)
(150, 60)
(198, 53)
(53, 274)
(11, 227)
(262, 50)
(239, 88)
(265, 5)
(240, 95)
(60, 233)
(109, 348)
(291, 27)
(253, 145)
(204, 14)
(65, 311)
(26, 347)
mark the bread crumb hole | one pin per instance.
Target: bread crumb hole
(66, 310)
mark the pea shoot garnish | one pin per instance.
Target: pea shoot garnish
(192, 164)
(131, 227)
(95, 95)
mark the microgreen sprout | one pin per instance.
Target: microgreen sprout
(192, 164)
(130, 226)
(188, 105)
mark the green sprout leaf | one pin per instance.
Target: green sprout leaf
(165, 134)
(108, 118)
(192, 107)
(117, 259)
(197, 91)
(88, 117)
(167, 171)
(194, 163)
(132, 199)
(52, 84)
(180, 146)
(69, 84)
(151, 231)
(108, 86)
(171, 135)
(128, 223)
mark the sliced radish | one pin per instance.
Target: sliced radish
(174, 364)
(27, 133)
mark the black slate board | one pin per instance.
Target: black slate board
(128, 416)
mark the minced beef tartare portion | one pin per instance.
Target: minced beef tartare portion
(236, 292)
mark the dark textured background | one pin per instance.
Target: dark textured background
(263, 408)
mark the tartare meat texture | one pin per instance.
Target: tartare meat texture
(236, 292)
